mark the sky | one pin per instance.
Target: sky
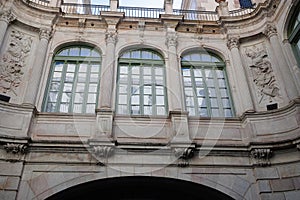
(140, 3)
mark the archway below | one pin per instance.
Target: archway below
(139, 188)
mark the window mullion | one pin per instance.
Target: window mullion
(141, 88)
(194, 87)
(208, 104)
(219, 98)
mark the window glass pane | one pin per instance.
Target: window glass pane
(77, 108)
(223, 92)
(74, 52)
(215, 112)
(189, 92)
(56, 76)
(159, 90)
(58, 66)
(94, 78)
(135, 54)
(135, 89)
(50, 107)
(222, 82)
(187, 81)
(226, 103)
(93, 88)
(147, 80)
(124, 70)
(190, 101)
(148, 110)
(81, 77)
(135, 70)
(147, 90)
(200, 92)
(206, 58)
(161, 110)
(69, 77)
(52, 96)
(95, 68)
(148, 100)
(186, 72)
(214, 102)
(203, 112)
(78, 98)
(122, 99)
(159, 80)
(195, 57)
(123, 78)
(71, 68)
(123, 89)
(90, 108)
(212, 92)
(197, 73)
(220, 73)
(147, 70)
(54, 86)
(64, 52)
(208, 73)
(210, 82)
(135, 110)
(227, 113)
(198, 81)
(85, 52)
(159, 71)
(135, 79)
(202, 102)
(91, 98)
(66, 97)
(191, 111)
(68, 87)
(95, 54)
(80, 87)
(135, 99)
(122, 109)
(160, 100)
(64, 107)
(146, 55)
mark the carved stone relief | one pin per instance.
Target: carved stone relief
(267, 88)
(262, 156)
(183, 155)
(12, 62)
(15, 148)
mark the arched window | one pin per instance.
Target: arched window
(294, 33)
(141, 83)
(74, 81)
(205, 85)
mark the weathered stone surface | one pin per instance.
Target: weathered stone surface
(282, 185)
(9, 183)
(13, 169)
(272, 196)
(289, 170)
(266, 173)
(264, 186)
(293, 195)
(7, 195)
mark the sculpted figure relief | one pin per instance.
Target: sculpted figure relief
(264, 77)
(13, 60)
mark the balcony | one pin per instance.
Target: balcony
(135, 12)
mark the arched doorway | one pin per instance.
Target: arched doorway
(139, 188)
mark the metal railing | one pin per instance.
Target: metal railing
(241, 12)
(197, 15)
(40, 2)
(83, 9)
(141, 12)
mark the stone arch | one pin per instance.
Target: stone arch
(138, 187)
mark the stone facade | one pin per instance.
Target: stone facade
(253, 155)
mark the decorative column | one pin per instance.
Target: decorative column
(35, 78)
(288, 79)
(6, 17)
(243, 89)
(104, 112)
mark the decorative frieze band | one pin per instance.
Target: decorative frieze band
(233, 42)
(262, 156)
(270, 30)
(7, 16)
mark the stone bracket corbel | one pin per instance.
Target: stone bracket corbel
(101, 150)
(16, 148)
(184, 153)
(262, 156)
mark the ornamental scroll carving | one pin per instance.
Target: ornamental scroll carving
(12, 61)
(111, 36)
(263, 75)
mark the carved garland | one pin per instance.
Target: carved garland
(13, 61)
(15, 148)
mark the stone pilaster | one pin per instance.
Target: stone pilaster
(33, 84)
(283, 68)
(243, 89)
(6, 17)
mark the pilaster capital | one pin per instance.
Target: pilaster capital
(7, 16)
(171, 40)
(111, 37)
(270, 30)
(45, 33)
(232, 42)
